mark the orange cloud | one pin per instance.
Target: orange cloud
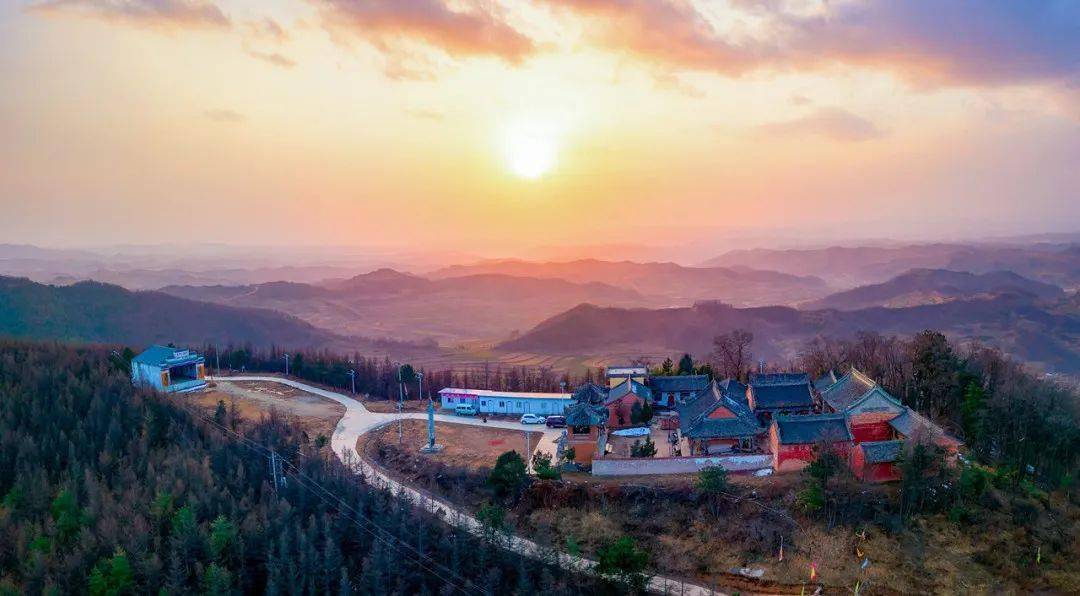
(476, 32)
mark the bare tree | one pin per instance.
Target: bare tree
(732, 352)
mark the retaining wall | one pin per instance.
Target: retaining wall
(621, 466)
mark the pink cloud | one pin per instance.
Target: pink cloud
(476, 32)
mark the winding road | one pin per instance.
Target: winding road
(359, 420)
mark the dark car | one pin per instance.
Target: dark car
(556, 422)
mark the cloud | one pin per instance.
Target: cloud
(834, 123)
(274, 58)
(268, 28)
(479, 31)
(930, 42)
(224, 116)
(425, 114)
(149, 13)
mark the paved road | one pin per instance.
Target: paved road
(359, 420)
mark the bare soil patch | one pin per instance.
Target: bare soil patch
(390, 406)
(252, 400)
(468, 446)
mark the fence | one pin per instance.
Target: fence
(621, 466)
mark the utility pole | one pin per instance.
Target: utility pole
(277, 472)
(286, 364)
(352, 377)
(400, 408)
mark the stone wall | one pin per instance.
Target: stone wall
(619, 466)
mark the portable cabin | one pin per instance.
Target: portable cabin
(506, 402)
(172, 370)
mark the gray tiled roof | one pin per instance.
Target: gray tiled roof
(628, 386)
(771, 396)
(825, 381)
(678, 383)
(847, 390)
(591, 393)
(581, 414)
(911, 424)
(801, 430)
(880, 452)
(779, 379)
(734, 389)
(695, 423)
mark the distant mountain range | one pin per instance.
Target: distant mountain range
(388, 303)
(673, 284)
(1048, 334)
(96, 312)
(1058, 264)
(929, 286)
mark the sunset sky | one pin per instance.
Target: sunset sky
(489, 125)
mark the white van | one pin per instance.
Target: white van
(465, 410)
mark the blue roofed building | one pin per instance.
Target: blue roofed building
(770, 395)
(172, 370)
(669, 391)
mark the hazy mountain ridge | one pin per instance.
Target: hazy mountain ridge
(675, 284)
(928, 286)
(1018, 324)
(1057, 264)
(389, 303)
(97, 312)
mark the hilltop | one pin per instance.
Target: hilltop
(928, 286)
(97, 312)
(1018, 324)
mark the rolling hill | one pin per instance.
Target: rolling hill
(388, 303)
(929, 286)
(96, 312)
(1018, 324)
(1058, 264)
(668, 283)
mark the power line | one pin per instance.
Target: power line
(376, 532)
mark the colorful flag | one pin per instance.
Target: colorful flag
(813, 571)
(1038, 555)
(781, 548)
(865, 563)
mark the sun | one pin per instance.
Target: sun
(530, 150)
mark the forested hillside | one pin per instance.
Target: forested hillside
(90, 311)
(105, 489)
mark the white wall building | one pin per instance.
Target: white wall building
(507, 402)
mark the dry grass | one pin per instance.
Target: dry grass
(253, 400)
(468, 446)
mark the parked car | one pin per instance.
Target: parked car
(465, 410)
(532, 419)
(556, 421)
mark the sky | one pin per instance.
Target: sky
(491, 127)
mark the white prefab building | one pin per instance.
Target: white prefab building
(507, 402)
(167, 369)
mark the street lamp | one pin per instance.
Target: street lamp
(352, 377)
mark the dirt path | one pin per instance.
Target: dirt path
(359, 420)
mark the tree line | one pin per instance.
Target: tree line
(109, 489)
